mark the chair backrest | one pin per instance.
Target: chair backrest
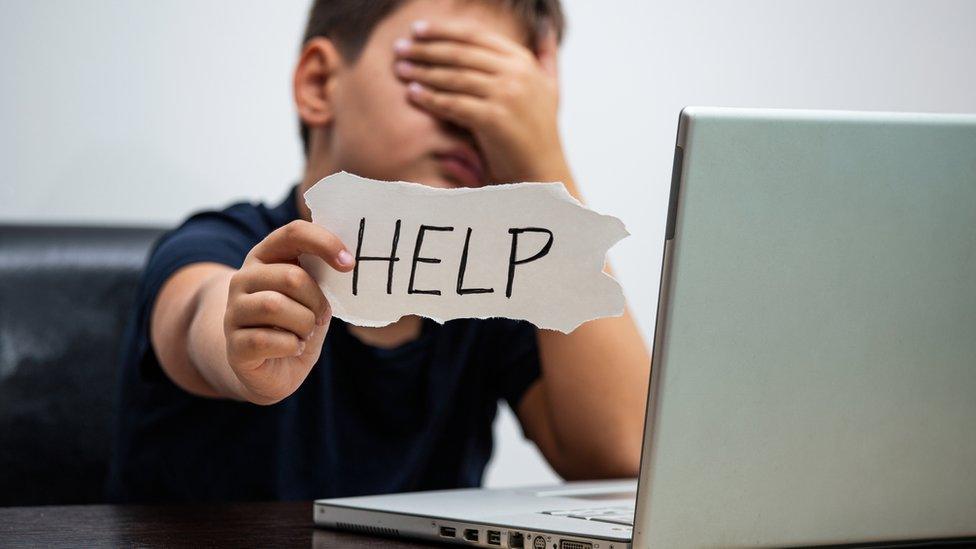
(65, 298)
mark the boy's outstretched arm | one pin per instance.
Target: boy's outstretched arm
(586, 412)
(252, 333)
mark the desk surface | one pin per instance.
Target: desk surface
(286, 524)
(275, 524)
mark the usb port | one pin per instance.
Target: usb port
(471, 534)
(448, 532)
(494, 537)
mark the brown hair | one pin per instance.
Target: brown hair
(348, 23)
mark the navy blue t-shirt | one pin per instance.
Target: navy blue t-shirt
(365, 421)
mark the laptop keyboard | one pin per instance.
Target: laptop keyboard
(613, 515)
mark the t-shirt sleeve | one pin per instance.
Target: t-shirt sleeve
(217, 237)
(204, 238)
(518, 363)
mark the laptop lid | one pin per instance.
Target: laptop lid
(814, 371)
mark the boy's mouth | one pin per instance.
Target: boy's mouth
(462, 164)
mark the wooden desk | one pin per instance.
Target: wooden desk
(276, 524)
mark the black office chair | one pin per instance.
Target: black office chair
(65, 297)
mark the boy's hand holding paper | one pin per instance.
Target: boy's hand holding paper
(276, 316)
(527, 251)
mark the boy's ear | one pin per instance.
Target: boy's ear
(314, 80)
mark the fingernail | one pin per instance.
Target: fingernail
(415, 88)
(420, 27)
(403, 67)
(401, 45)
(320, 321)
(345, 258)
(301, 348)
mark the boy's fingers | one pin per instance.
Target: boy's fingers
(450, 53)
(301, 237)
(289, 279)
(274, 310)
(255, 345)
(463, 31)
(461, 109)
(446, 78)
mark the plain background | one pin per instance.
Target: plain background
(138, 112)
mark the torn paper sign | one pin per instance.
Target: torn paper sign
(525, 251)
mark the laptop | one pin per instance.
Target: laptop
(813, 377)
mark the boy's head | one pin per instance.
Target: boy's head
(354, 110)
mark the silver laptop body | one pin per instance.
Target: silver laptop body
(814, 370)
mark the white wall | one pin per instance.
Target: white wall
(140, 112)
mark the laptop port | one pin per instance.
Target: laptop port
(515, 540)
(471, 534)
(448, 532)
(539, 543)
(494, 537)
(574, 544)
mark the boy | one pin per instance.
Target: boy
(237, 383)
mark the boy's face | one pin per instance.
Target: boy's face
(377, 132)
